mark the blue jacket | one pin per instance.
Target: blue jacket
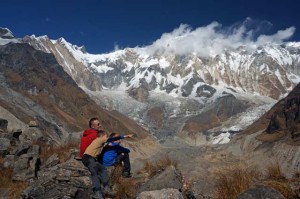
(111, 152)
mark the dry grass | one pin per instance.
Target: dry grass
(62, 151)
(234, 180)
(150, 169)
(274, 172)
(15, 187)
(283, 187)
(125, 188)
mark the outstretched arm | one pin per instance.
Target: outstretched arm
(128, 136)
(111, 139)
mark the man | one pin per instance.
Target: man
(89, 159)
(89, 134)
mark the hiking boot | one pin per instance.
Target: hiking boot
(126, 174)
(107, 190)
(98, 195)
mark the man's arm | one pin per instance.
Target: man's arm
(111, 139)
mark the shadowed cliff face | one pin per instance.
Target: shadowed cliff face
(282, 122)
(285, 120)
(34, 86)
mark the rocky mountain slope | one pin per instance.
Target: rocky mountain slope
(34, 87)
(273, 137)
(179, 95)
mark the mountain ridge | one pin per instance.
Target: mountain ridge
(35, 87)
(269, 71)
(195, 84)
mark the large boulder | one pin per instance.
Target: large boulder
(169, 178)
(260, 191)
(26, 167)
(66, 180)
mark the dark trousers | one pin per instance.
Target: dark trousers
(98, 172)
(124, 158)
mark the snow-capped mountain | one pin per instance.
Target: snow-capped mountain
(269, 70)
(171, 94)
(6, 36)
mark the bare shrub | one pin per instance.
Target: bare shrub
(62, 151)
(274, 172)
(234, 180)
(15, 187)
(150, 169)
(124, 188)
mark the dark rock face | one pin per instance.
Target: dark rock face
(4, 34)
(169, 178)
(3, 124)
(4, 146)
(63, 180)
(228, 106)
(141, 93)
(188, 87)
(205, 91)
(26, 167)
(170, 87)
(224, 108)
(285, 118)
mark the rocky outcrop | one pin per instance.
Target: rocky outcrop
(282, 122)
(52, 177)
(6, 34)
(274, 136)
(141, 93)
(195, 128)
(286, 116)
(22, 157)
(169, 178)
(61, 180)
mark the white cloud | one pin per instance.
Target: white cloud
(280, 36)
(116, 47)
(213, 39)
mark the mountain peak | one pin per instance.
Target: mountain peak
(6, 36)
(5, 33)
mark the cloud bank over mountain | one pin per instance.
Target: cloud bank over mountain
(214, 39)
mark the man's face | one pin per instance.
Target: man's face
(96, 125)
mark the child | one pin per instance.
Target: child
(113, 153)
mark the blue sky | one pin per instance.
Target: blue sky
(103, 25)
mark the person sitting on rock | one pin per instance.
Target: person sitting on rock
(113, 153)
(89, 134)
(97, 170)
